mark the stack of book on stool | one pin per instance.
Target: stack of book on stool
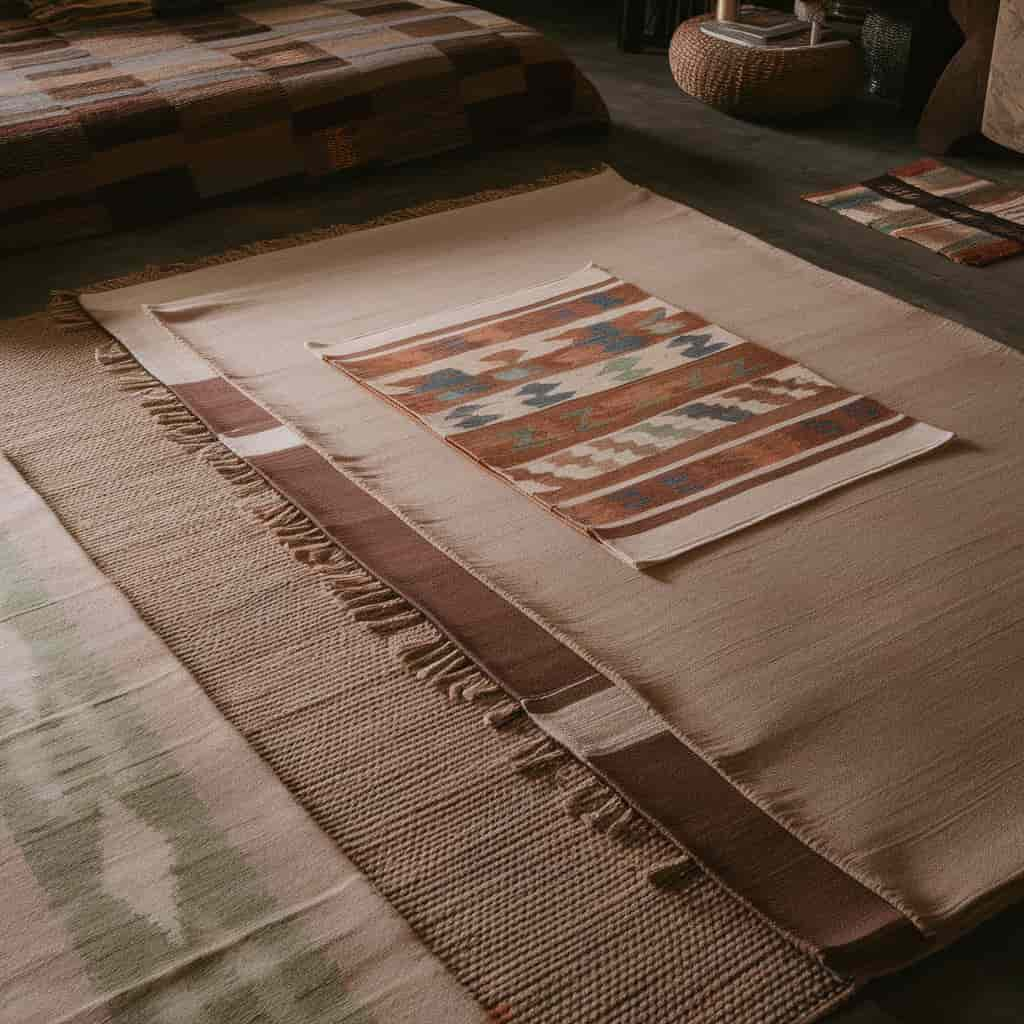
(763, 27)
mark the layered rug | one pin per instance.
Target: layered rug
(964, 218)
(754, 719)
(158, 869)
(113, 126)
(506, 876)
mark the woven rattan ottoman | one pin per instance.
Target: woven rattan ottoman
(758, 82)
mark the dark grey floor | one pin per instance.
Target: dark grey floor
(750, 176)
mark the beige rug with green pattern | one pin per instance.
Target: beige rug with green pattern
(158, 870)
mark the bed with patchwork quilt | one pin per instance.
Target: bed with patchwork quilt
(114, 122)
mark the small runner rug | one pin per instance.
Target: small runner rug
(964, 218)
(158, 871)
(639, 423)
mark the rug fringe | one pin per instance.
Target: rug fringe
(436, 659)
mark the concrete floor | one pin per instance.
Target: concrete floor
(750, 176)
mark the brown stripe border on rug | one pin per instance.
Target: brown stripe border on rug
(891, 187)
(393, 579)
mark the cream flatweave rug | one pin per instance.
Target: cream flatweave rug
(818, 708)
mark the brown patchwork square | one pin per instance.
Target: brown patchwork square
(82, 90)
(338, 113)
(414, 98)
(378, 41)
(329, 149)
(229, 106)
(81, 69)
(479, 54)
(379, 11)
(211, 28)
(127, 119)
(436, 27)
(290, 59)
(489, 84)
(29, 149)
(221, 164)
(149, 198)
(553, 88)
(426, 121)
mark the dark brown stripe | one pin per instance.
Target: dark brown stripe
(672, 514)
(903, 192)
(225, 409)
(761, 861)
(857, 931)
(504, 642)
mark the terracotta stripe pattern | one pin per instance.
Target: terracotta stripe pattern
(607, 728)
(964, 218)
(639, 423)
(115, 126)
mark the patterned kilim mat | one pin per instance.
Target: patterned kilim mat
(112, 127)
(641, 424)
(543, 919)
(966, 219)
(158, 870)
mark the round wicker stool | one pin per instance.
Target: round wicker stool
(761, 83)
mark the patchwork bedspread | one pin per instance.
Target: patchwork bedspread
(113, 127)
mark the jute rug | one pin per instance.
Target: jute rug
(541, 918)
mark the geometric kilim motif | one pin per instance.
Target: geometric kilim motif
(640, 424)
(964, 218)
(117, 126)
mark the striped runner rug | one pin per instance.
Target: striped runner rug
(962, 217)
